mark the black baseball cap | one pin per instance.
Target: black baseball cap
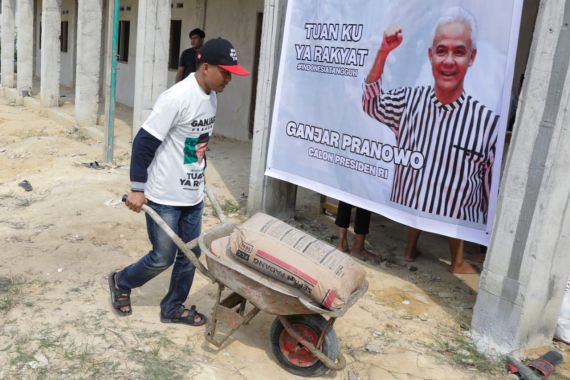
(220, 52)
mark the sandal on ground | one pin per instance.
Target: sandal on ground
(190, 319)
(546, 364)
(26, 185)
(541, 367)
(119, 298)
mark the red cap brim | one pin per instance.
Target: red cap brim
(235, 69)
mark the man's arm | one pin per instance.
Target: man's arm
(179, 74)
(144, 149)
(392, 39)
(181, 66)
(154, 130)
(386, 108)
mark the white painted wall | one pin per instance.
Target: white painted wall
(125, 92)
(237, 23)
(67, 68)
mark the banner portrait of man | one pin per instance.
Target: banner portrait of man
(455, 133)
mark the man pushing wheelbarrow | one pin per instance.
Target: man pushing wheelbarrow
(167, 174)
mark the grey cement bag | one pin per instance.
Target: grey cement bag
(296, 258)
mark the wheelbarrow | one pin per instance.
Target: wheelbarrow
(302, 339)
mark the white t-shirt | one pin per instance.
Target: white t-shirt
(179, 117)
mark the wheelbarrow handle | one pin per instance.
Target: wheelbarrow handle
(185, 248)
(213, 202)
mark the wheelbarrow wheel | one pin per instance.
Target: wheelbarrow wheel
(293, 356)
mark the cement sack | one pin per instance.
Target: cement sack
(296, 258)
(563, 325)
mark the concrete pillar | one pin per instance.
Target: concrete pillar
(89, 27)
(25, 43)
(50, 53)
(8, 49)
(266, 194)
(151, 67)
(527, 267)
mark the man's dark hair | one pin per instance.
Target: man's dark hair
(197, 32)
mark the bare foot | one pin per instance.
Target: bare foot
(412, 256)
(342, 244)
(363, 255)
(463, 268)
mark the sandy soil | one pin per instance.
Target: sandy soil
(60, 240)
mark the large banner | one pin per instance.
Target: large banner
(398, 107)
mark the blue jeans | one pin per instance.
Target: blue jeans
(186, 223)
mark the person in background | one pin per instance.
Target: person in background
(361, 228)
(187, 63)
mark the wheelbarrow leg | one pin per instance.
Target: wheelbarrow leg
(224, 313)
(211, 330)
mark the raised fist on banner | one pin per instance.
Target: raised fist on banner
(393, 37)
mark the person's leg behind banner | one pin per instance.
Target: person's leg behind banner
(361, 229)
(458, 263)
(412, 252)
(343, 221)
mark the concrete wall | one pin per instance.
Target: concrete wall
(67, 69)
(8, 43)
(527, 266)
(69, 14)
(37, 32)
(88, 61)
(25, 46)
(528, 19)
(266, 194)
(192, 16)
(237, 23)
(151, 68)
(126, 71)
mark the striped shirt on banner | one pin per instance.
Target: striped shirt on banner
(457, 142)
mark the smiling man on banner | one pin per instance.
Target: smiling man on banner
(456, 134)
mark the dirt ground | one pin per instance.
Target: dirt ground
(60, 240)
